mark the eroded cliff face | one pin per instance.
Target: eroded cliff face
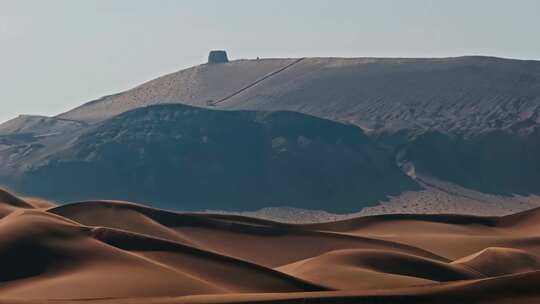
(192, 158)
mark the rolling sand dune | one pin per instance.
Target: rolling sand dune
(439, 233)
(10, 203)
(61, 259)
(495, 261)
(375, 269)
(253, 240)
(119, 252)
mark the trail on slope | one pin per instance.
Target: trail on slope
(256, 82)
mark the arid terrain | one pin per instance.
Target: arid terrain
(325, 138)
(269, 152)
(308, 180)
(119, 252)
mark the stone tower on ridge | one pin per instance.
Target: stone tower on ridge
(217, 56)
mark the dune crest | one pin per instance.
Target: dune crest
(10, 203)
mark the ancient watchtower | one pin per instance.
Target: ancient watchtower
(217, 56)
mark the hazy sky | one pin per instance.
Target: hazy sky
(57, 54)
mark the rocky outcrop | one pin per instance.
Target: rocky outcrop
(189, 158)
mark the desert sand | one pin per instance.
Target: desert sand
(120, 252)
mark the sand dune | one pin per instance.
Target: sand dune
(495, 261)
(119, 252)
(439, 233)
(47, 256)
(376, 269)
(10, 203)
(253, 240)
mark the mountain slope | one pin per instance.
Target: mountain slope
(196, 86)
(192, 158)
(468, 122)
(503, 162)
(381, 94)
(446, 118)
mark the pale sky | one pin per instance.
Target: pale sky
(57, 54)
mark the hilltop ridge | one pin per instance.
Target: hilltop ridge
(471, 93)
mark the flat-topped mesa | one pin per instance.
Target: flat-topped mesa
(217, 56)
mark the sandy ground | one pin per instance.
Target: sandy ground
(119, 252)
